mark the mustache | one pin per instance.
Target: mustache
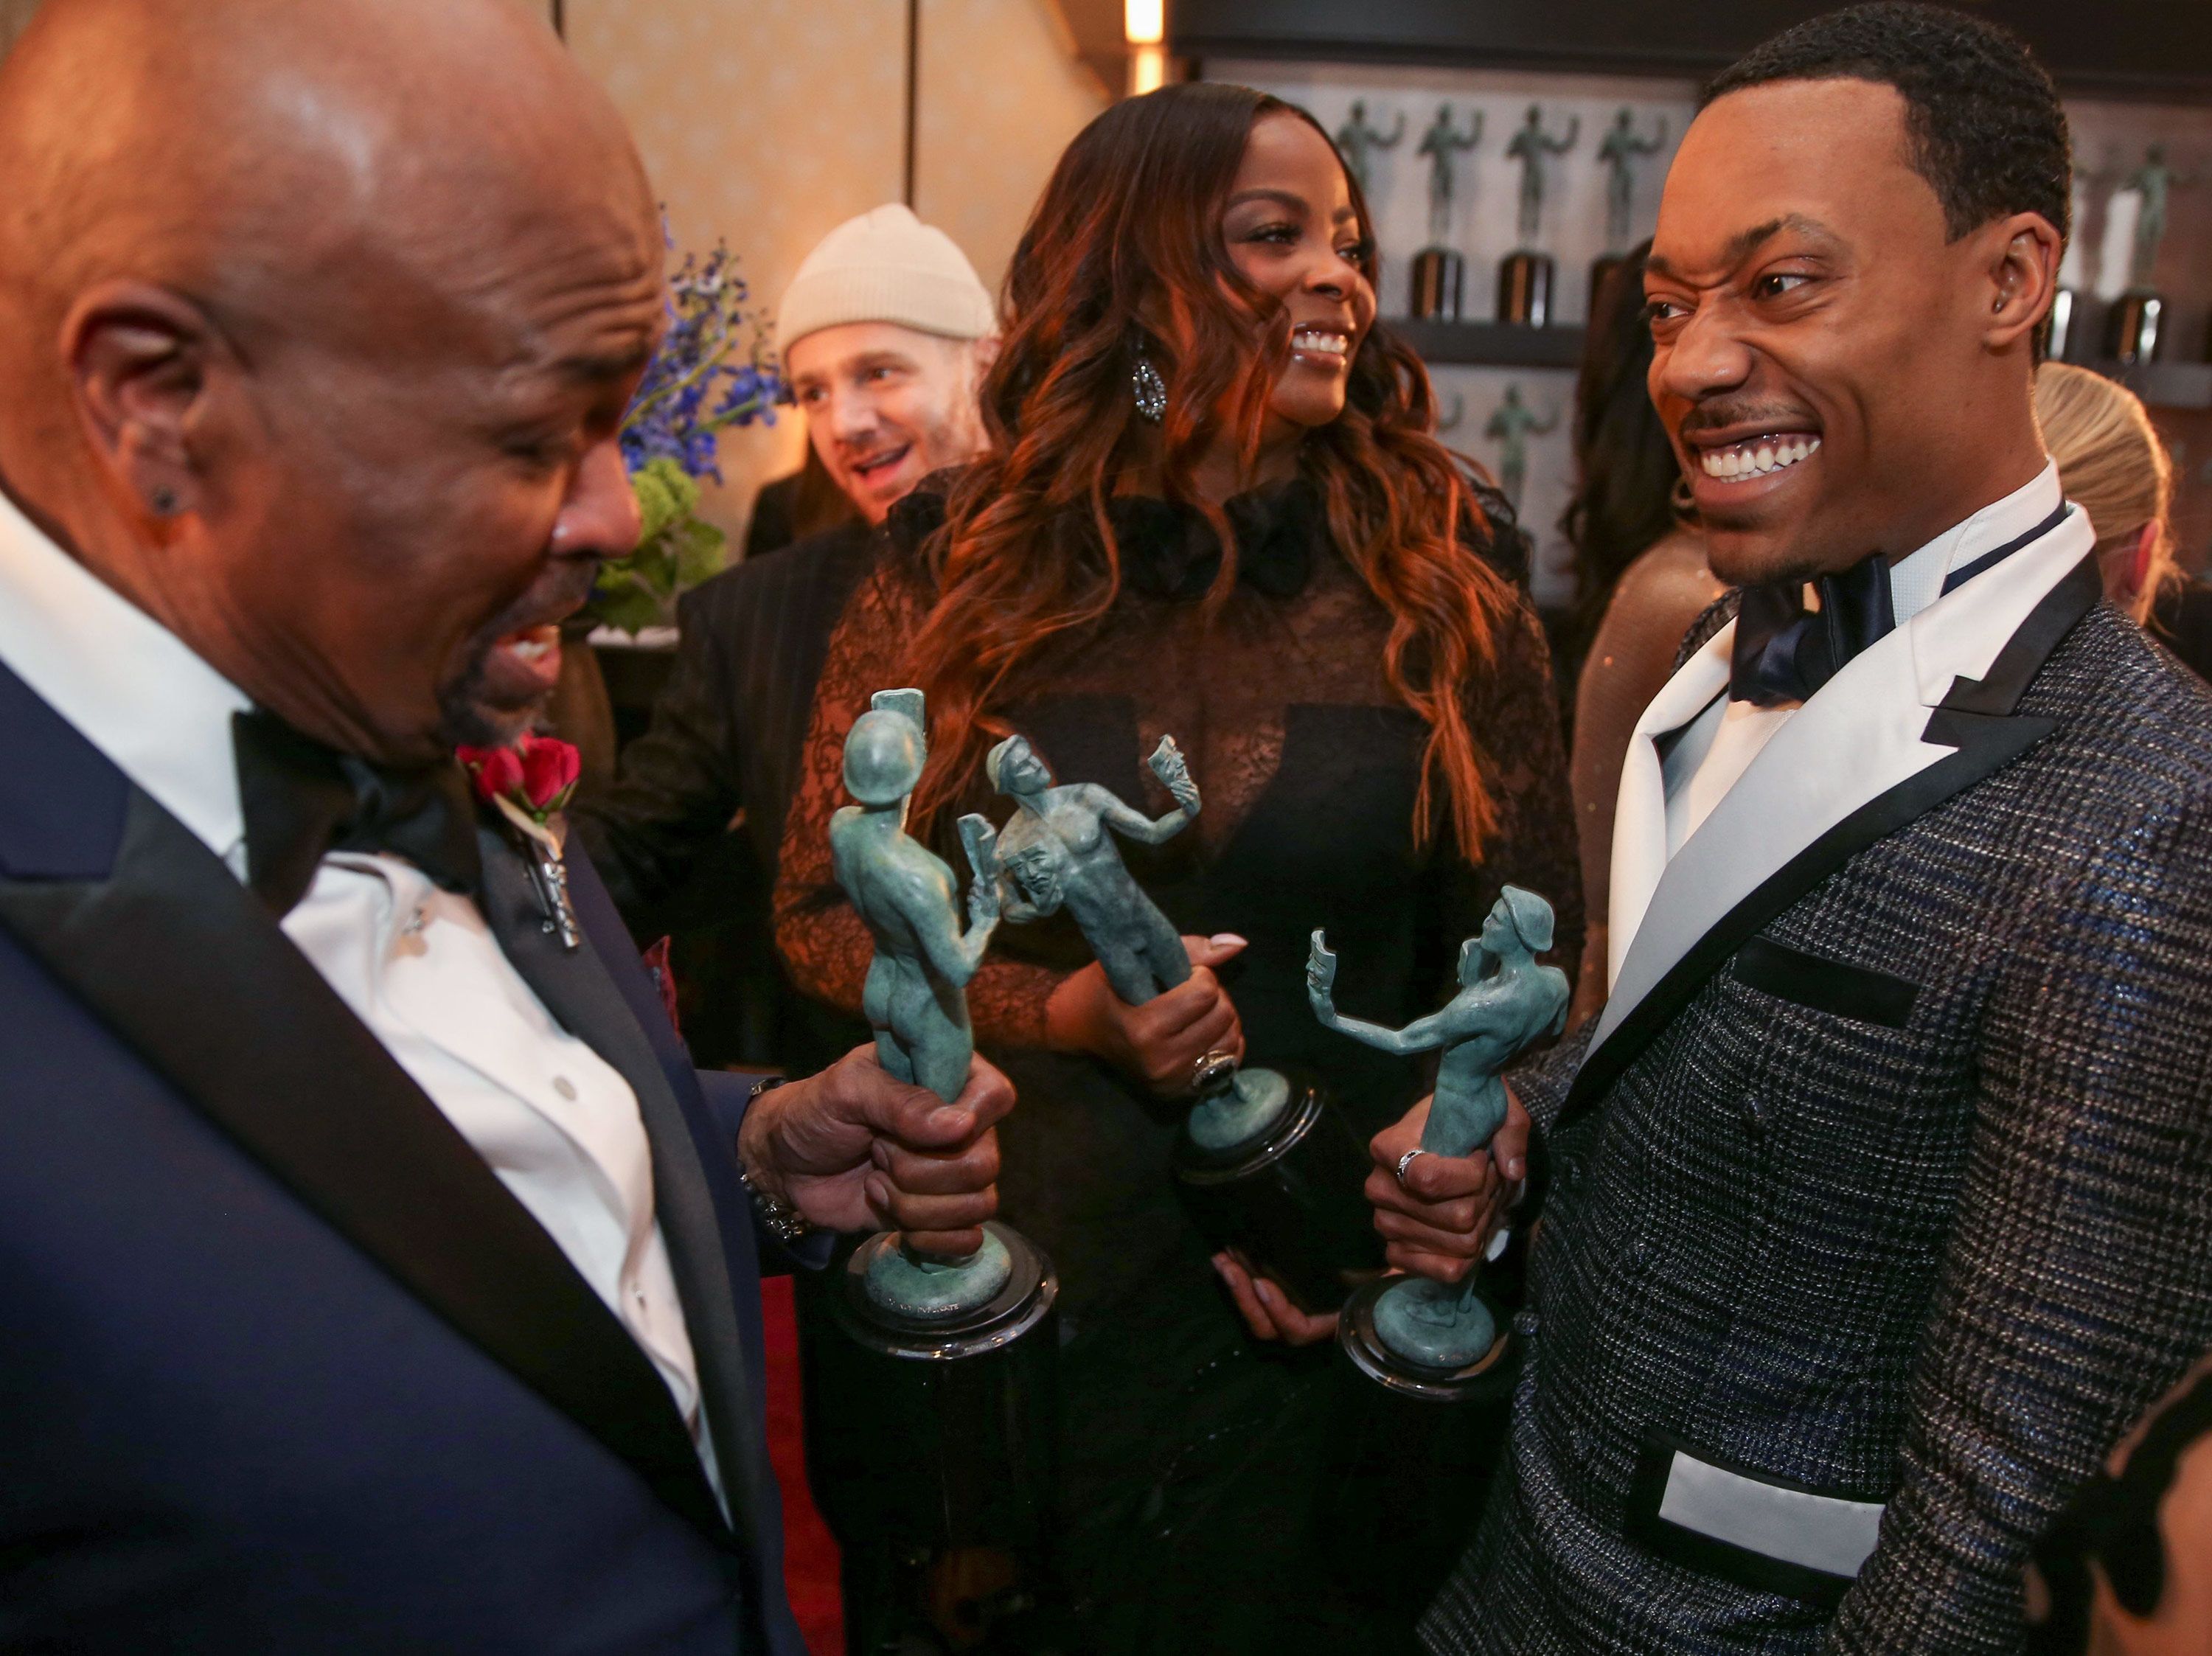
(1720, 413)
(560, 590)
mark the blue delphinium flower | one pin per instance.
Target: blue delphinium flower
(713, 370)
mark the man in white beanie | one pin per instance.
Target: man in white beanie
(886, 332)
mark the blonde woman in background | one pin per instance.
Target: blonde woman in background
(2112, 462)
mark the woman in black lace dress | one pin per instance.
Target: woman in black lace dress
(1215, 511)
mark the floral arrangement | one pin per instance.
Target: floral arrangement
(713, 370)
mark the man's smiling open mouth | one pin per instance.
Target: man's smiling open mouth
(881, 463)
(1759, 456)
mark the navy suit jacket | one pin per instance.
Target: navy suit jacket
(283, 1365)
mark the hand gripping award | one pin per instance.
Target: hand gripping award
(1421, 1337)
(958, 1371)
(1264, 1164)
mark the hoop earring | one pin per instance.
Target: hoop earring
(1150, 390)
(1682, 498)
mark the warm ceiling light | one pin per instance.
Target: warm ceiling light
(1148, 70)
(1143, 22)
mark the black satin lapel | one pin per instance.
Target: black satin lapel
(2078, 592)
(180, 960)
(1975, 718)
(574, 987)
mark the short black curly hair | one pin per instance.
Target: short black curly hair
(1984, 123)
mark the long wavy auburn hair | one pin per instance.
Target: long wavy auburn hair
(1125, 254)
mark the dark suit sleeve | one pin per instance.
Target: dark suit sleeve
(1541, 1083)
(2075, 1287)
(727, 1092)
(679, 785)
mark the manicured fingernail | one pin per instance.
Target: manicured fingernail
(1266, 1293)
(1230, 939)
(1221, 1267)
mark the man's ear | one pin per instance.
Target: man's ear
(987, 353)
(2024, 254)
(137, 358)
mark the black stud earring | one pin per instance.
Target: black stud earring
(163, 500)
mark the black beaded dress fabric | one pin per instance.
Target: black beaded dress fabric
(1191, 1454)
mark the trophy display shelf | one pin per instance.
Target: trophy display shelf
(1491, 344)
(2164, 384)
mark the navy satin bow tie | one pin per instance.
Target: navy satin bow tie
(303, 800)
(1784, 653)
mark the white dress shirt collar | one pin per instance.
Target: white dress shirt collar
(131, 686)
(1916, 581)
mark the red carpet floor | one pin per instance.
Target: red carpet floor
(809, 1555)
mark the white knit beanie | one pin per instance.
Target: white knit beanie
(886, 266)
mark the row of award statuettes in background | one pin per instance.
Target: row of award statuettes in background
(956, 1356)
(1527, 278)
(2138, 322)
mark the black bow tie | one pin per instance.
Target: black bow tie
(1784, 653)
(304, 800)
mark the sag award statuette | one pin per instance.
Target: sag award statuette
(1618, 154)
(956, 1383)
(1420, 1338)
(1264, 1165)
(1526, 277)
(1440, 274)
(1510, 427)
(2135, 327)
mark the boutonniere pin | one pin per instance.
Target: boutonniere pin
(530, 786)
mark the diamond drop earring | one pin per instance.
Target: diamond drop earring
(1150, 390)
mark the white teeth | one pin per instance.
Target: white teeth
(1330, 344)
(530, 649)
(1757, 459)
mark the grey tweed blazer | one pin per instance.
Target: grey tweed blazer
(1897, 1188)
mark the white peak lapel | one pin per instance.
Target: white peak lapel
(1866, 734)
(1639, 816)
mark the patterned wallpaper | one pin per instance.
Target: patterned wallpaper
(771, 122)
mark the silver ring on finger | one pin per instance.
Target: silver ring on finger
(1211, 1069)
(1405, 1162)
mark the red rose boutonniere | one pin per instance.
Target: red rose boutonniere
(534, 779)
(530, 785)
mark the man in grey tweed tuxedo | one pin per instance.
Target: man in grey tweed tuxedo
(1878, 1201)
